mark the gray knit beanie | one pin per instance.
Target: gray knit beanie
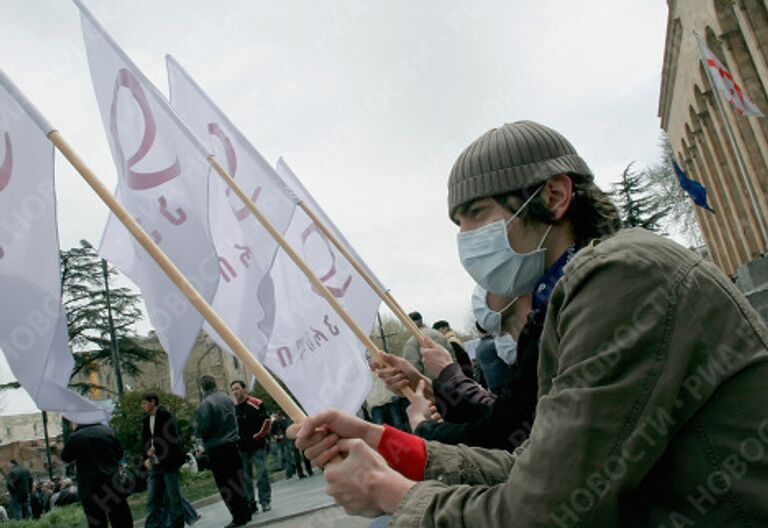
(514, 157)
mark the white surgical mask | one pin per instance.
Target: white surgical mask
(506, 348)
(489, 259)
(489, 320)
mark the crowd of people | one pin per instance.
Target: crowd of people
(31, 500)
(233, 436)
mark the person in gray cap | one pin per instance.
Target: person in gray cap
(652, 407)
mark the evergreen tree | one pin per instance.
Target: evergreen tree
(637, 205)
(668, 194)
(84, 299)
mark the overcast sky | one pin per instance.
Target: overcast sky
(369, 102)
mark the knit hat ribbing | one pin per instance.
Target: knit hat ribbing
(514, 157)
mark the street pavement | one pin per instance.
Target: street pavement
(295, 504)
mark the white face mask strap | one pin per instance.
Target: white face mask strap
(513, 301)
(526, 202)
(546, 234)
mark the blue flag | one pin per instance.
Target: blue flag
(695, 190)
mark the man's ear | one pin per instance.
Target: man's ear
(558, 193)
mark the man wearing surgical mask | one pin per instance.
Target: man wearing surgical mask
(652, 406)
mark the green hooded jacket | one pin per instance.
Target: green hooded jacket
(652, 411)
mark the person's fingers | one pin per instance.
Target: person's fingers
(386, 373)
(347, 445)
(400, 385)
(315, 438)
(309, 425)
(420, 388)
(388, 358)
(325, 457)
(428, 343)
(292, 430)
(320, 447)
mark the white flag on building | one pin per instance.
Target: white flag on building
(163, 182)
(245, 249)
(311, 349)
(724, 82)
(33, 324)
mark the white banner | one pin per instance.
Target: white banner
(727, 85)
(245, 249)
(163, 182)
(33, 324)
(311, 349)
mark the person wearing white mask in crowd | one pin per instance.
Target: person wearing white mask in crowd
(455, 409)
(652, 406)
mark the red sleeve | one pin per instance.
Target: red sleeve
(405, 453)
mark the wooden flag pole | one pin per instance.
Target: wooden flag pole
(384, 295)
(317, 283)
(262, 375)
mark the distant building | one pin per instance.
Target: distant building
(736, 31)
(22, 438)
(206, 358)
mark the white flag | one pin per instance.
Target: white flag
(724, 81)
(312, 350)
(245, 249)
(163, 182)
(332, 268)
(33, 324)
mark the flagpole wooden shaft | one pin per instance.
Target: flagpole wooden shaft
(384, 295)
(317, 283)
(262, 375)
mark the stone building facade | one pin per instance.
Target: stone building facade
(22, 438)
(736, 31)
(206, 358)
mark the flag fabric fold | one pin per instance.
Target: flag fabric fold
(163, 182)
(245, 249)
(724, 82)
(262, 294)
(311, 349)
(33, 323)
(695, 190)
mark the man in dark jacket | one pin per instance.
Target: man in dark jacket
(20, 488)
(253, 425)
(96, 451)
(216, 426)
(163, 458)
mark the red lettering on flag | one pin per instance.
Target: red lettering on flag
(7, 167)
(229, 152)
(139, 180)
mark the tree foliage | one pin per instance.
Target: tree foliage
(395, 334)
(668, 194)
(85, 303)
(637, 204)
(127, 421)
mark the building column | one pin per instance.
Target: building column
(761, 66)
(713, 234)
(749, 231)
(755, 163)
(721, 226)
(720, 176)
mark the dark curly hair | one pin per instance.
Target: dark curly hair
(592, 213)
